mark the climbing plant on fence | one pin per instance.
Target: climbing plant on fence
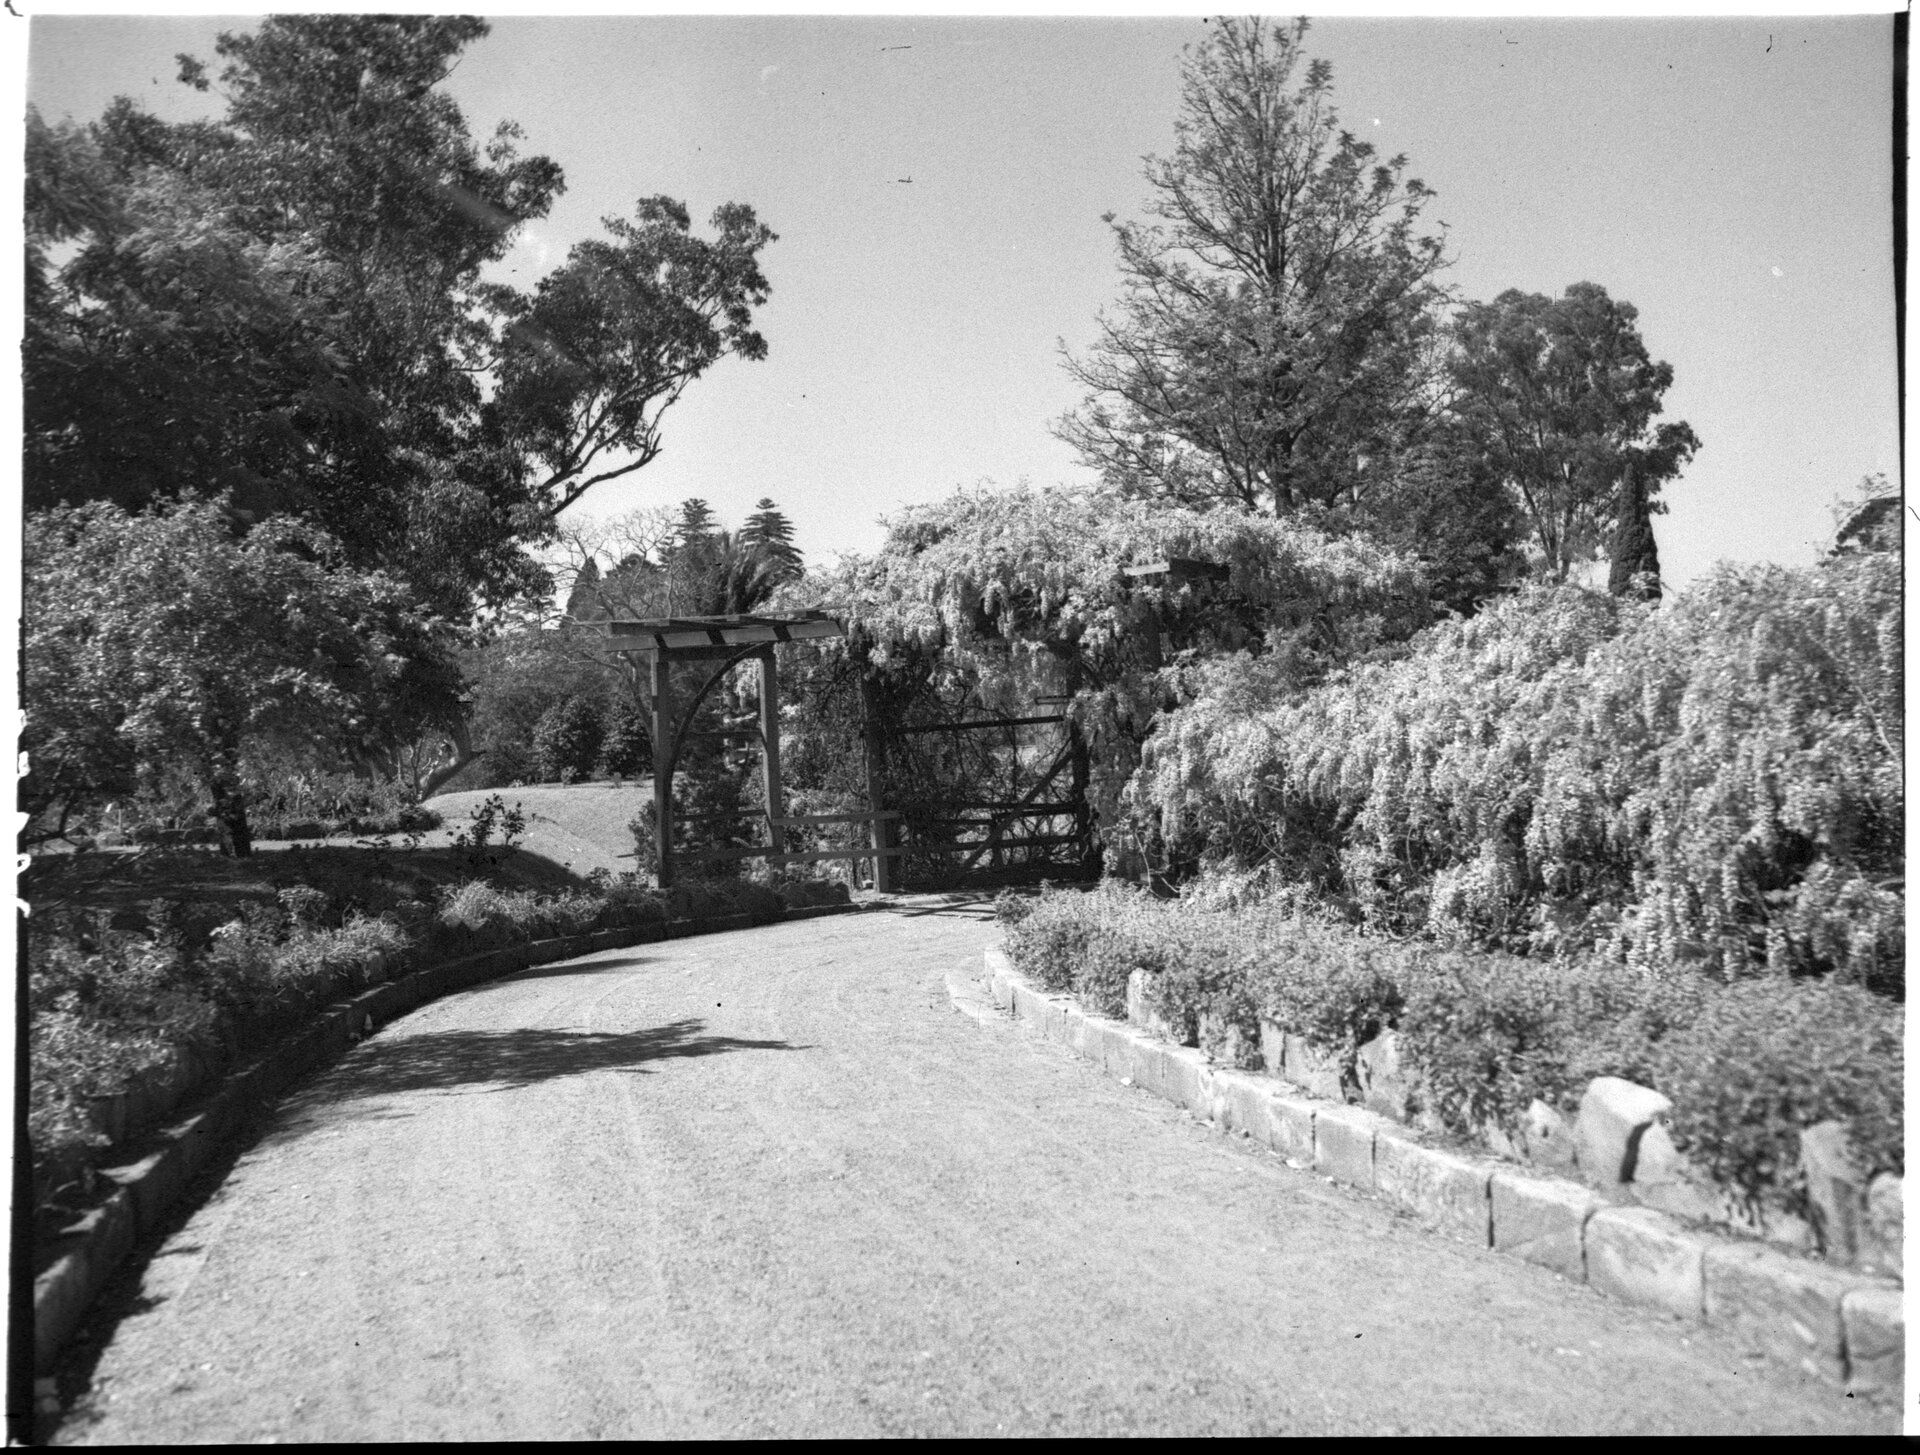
(992, 598)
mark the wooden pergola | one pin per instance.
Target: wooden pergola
(659, 644)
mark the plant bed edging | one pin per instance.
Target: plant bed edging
(100, 1240)
(1843, 1326)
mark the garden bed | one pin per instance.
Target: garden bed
(1502, 1052)
(151, 973)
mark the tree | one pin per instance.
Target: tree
(161, 640)
(628, 747)
(768, 530)
(285, 306)
(340, 137)
(567, 739)
(286, 303)
(1557, 397)
(1275, 342)
(604, 345)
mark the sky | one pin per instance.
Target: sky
(938, 187)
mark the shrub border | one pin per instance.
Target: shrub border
(1844, 1327)
(98, 1243)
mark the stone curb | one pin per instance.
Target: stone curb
(149, 1187)
(1845, 1327)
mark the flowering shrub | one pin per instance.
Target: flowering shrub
(1715, 784)
(991, 598)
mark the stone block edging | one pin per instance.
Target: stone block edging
(1843, 1326)
(149, 1187)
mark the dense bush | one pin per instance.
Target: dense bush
(1766, 1058)
(566, 740)
(1491, 1033)
(1714, 784)
(627, 749)
(1747, 1065)
(308, 804)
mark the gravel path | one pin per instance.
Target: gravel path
(769, 1183)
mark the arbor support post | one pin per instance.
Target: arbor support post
(770, 746)
(660, 707)
(882, 828)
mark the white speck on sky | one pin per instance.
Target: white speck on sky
(913, 329)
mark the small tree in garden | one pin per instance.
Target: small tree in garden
(162, 641)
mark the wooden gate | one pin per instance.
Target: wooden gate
(1044, 831)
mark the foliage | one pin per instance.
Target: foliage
(1276, 337)
(515, 679)
(1769, 1058)
(160, 640)
(475, 841)
(990, 599)
(1556, 397)
(1747, 1065)
(1716, 783)
(285, 803)
(607, 342)
(1491, 1033)
(287, 303)
(567, 739)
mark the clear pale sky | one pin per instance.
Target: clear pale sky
(1731, 177)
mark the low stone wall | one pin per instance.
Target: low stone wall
(1845, 1325)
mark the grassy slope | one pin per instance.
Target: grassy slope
(581, 826)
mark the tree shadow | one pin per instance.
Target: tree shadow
(959, 905)
(576, 967)
(492, 1061)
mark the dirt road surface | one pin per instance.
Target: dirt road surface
(770, 1183)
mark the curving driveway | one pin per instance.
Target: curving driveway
(770, 1183)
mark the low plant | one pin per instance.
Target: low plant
(476, 843)
(1764, 1059)
(1747, 1064)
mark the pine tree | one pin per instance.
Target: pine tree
(769, 531)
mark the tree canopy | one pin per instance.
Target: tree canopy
(1556, 398)
(159, 642)
(289, 303)
(1276, 338)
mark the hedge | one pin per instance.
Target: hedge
(1747, 1064)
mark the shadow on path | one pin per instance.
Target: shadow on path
(574, 967)
(507, 1060)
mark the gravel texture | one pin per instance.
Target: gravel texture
(769, 1183)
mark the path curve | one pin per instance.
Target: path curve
(769, 1183)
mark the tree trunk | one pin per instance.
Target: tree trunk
(463, 754)
(229, 814)
(1634, 568)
